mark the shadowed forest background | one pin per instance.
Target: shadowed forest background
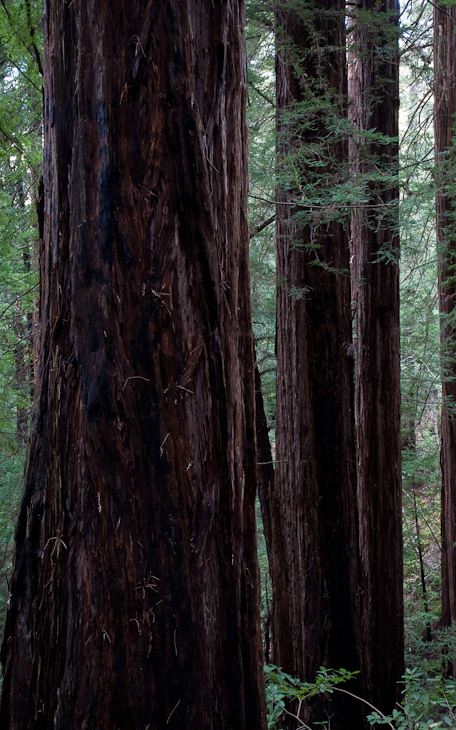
(319, 172)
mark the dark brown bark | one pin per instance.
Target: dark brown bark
(444, 118)
(265, 469)
(23, 358)
(408, 443)
(23, 329)
(419, 549)
(315, 616)
(134, 601)
(270, 513)
(374, 103)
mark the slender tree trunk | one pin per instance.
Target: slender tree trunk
(408, 443)
(265, 490)
(23, 330)
(422, 572)
(444, 118)
(270, 513)
(315, 616)
(22, 357)
(374, 103)
(134, 600)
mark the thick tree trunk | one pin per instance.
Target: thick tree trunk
(444, 118)
(315, 617)
(374, 103)
(134, 601)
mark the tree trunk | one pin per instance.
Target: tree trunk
(134, 601)
(270, 510)
(315, 614)
(23, 357)
(444, 118)
(374, 103)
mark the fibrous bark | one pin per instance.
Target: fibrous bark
(374, 103)
(315, 613)
(134, 600)
(444, 118)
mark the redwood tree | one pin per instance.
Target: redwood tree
(444, 119)
(313, 501)
(374, 104)
(134, 599)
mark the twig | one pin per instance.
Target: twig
(172, 711)
(264, 96)
(106, 635)
(262, 226)
(265, 463)
(55, 538)
(345, 691)
(135, 377)
(18, 298)
(213, 166)
(160, 297)
(163, 443)
(137, 40)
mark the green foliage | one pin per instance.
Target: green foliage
(261, 121)
(426, 704)
(20, 168)
(287, 696)
(420, 345)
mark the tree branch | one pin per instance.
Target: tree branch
(262, 226)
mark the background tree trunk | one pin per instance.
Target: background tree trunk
(444, 118)
(315, 617)
(134, 601)
(374, 103)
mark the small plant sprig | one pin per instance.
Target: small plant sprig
(283, 689)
